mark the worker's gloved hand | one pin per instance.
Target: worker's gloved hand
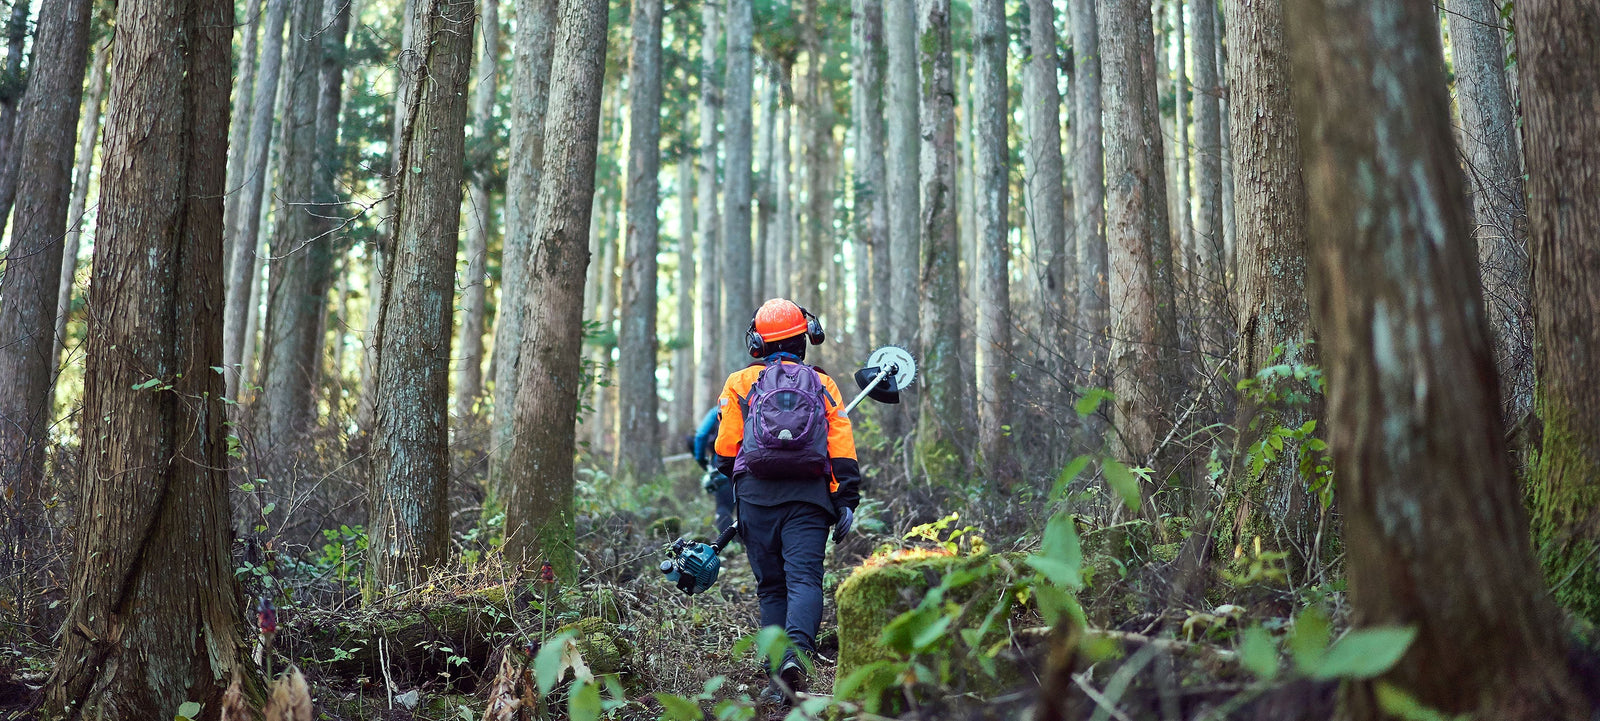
(708, 482)
(847, 518)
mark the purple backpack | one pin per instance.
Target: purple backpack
(785, 425)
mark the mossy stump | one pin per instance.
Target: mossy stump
(883, 588)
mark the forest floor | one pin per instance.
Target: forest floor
(431, 653)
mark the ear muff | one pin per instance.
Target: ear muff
(814, 331)
(752, 340)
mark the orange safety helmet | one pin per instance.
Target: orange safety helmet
(778, 319)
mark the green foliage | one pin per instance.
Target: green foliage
(1273, 391)
(187, 711)
(1360, 654)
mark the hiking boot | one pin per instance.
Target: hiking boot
(793, 676)
(773, 695)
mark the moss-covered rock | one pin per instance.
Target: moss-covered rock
(885, 587)
(603, 647)
(666, 527)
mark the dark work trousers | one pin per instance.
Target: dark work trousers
(785, 544)
(725, 500)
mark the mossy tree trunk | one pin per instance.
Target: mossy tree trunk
(1560, 72)
(945, 426)
(539, 512)
(1437, 537)
(532, 46)
(407, 504)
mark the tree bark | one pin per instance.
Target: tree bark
(239, 123)
(33, 264)
(88, 137)
(474, 294)
(1089, 193)
(640, 444)
(945, 426)
(737, 303)
(11, 100)
(539, 512)
(709, 350)
(1273, 320)
(1142, 338)
(1494, 173)
(763, 264)
(407, 502)
(253, 184)
(1560, 71)
(900, 19)
(1045, 181)
(534, 44)
(154, 615)
(1208, 228)
(297, 288)
(783, 238)
(1436, 535)
(871, 206)
(685, 414)
(992, 173)
(1182, 94)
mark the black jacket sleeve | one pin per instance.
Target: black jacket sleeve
(723, 464)
(848, 473)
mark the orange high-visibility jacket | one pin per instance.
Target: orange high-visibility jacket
(730, 434)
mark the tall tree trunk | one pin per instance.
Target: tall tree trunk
(329, 208)
(291, 349)
(815, 264)
(945, 426)
(534, 43)
(1494, 173)
(1089, 193)
(33, 264)
(904, 144)
(1180, 138)
(1215, 334)
(871, 203)
(88, 137)
(154, 613)
(783, 237)
(708, 345)
(253, 184)
(992, 173)
(407, 503)
(1273, 321)
(1046, 184)
(605, 316)
(1136, 235)
(1435, 529)
(640, 444)
(15, 90)
(469, 374)
(239, 124)
(1560, 70)
(763, 264)
(737, 302)
(539, 512)
(1230, 230)
(684, 414)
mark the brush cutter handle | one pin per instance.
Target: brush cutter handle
(725, 538)
(882, 374)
